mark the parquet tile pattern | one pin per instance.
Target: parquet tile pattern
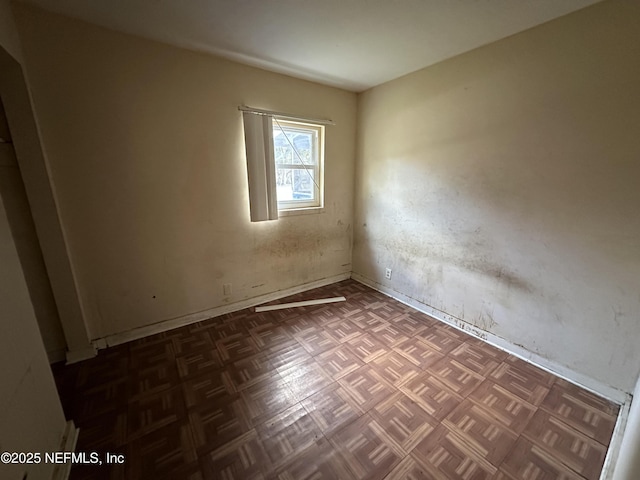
(363, 389)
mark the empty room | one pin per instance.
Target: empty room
(320, 240)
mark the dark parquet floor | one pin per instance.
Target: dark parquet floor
(363, 389)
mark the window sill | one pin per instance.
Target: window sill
(300, 211)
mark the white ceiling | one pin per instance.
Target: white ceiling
(352, 44)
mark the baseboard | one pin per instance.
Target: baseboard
(68, 444)
(124, 337)
(561, 371)
(75, 356)
(613, 452)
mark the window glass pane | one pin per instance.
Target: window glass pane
(303, 188)
(286, 138)
(295, 184)
(297, 154)
(284, 183)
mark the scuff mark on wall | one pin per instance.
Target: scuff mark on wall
(485, 320)
(617, 315)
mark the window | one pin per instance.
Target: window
(285, 157)
(298, 156)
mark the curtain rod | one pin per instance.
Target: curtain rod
(259, 111)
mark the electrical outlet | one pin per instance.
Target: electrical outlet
(387, 273)
(226, 288)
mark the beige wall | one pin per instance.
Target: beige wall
(9, 39)
(31, 417)
(145, 147)
(501, 187)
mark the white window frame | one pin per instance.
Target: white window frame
(281, 124)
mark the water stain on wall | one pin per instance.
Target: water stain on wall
(310, 241)
(472, 260)
(510, 279)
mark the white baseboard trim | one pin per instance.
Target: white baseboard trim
(67, 444)
(613, 452)
(75, 356)
(561, 371)
(166, 325)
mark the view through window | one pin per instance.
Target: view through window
(298, 152)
